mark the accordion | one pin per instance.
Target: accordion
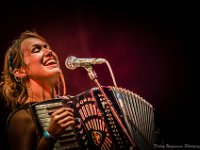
(96, 126)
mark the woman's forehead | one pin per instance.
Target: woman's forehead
(31, 42)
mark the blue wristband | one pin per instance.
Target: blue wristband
(48, 136)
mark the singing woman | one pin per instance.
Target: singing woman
(32, 74)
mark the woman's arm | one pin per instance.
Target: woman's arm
(22, 133)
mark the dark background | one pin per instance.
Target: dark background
(151, 47)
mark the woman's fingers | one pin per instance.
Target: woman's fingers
(60, 120)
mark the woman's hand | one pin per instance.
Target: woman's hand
(60, 120)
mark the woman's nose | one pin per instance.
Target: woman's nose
(49, 52)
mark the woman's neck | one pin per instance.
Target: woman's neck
(38, 92)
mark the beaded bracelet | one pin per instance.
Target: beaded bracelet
(48, 136)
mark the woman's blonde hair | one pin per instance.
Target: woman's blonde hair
(14, 89)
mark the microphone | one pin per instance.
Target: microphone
(72, 62)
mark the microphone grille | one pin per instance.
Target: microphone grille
(69, 62)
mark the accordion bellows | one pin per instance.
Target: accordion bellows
(96, 126)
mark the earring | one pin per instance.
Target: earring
(18, 80)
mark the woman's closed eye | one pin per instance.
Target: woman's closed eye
(36, 49)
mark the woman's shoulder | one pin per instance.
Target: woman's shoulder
(21, 113)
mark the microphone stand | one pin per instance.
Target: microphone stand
(93, 76)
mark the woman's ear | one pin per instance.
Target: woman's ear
(20, 73)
